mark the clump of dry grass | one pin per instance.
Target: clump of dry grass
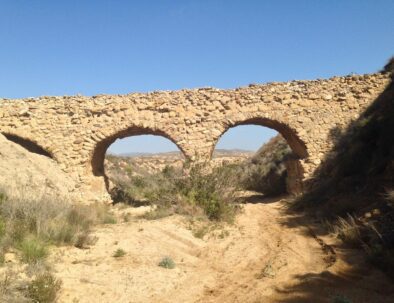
(44, 288)
(31, 223)
(390, 197)
(348, 230)
(49, 220)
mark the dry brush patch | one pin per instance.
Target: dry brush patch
(30, 224)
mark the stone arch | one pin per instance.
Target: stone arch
(30, 145)
(297, 145)
(294, 167)
(100, 149)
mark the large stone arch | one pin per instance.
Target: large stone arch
(101, 147)
(295, 171)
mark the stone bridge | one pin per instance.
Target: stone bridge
(76, 130)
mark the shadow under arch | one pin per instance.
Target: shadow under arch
(29, 145)
(98, 156)
(295, 171)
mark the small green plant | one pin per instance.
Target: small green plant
(109, 219)
(32, 250)
(341, 299)
(44, 288)
(200, 231)
(119, 253)
(167, 262)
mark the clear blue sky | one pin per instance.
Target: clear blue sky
(91, 47)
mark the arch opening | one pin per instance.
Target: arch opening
(264, 154)
(28, 145)
(133, 161)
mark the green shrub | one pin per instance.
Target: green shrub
(189, 192)
(32, 250)
(214, 190)
(119, 253)
(44, 288)
(167, 262)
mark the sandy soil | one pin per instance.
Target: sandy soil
(269, 255)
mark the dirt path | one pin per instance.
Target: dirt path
(267, 256)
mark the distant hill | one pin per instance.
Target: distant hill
(174, 153)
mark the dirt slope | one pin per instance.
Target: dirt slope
(33, 173)
(267, 256)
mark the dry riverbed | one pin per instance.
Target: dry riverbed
(269, 255)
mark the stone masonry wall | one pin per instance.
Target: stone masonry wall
(77, 130)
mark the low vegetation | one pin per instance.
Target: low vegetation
(43, 288)
(197, 190)
(167, 262)
(29, 226)
(200, 189)
(119, 253)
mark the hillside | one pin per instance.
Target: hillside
(357, 180)
(32, 173)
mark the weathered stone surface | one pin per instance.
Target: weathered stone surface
(77, 130)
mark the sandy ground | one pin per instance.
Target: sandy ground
(268, 256)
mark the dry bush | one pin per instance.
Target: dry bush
(390, 197)
(12, 289)
(44, 288)
(31, 223)
(348, 230)
(192, 191)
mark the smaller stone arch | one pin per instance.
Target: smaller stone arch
(29, 145)
(296, 144)
(294, 166)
